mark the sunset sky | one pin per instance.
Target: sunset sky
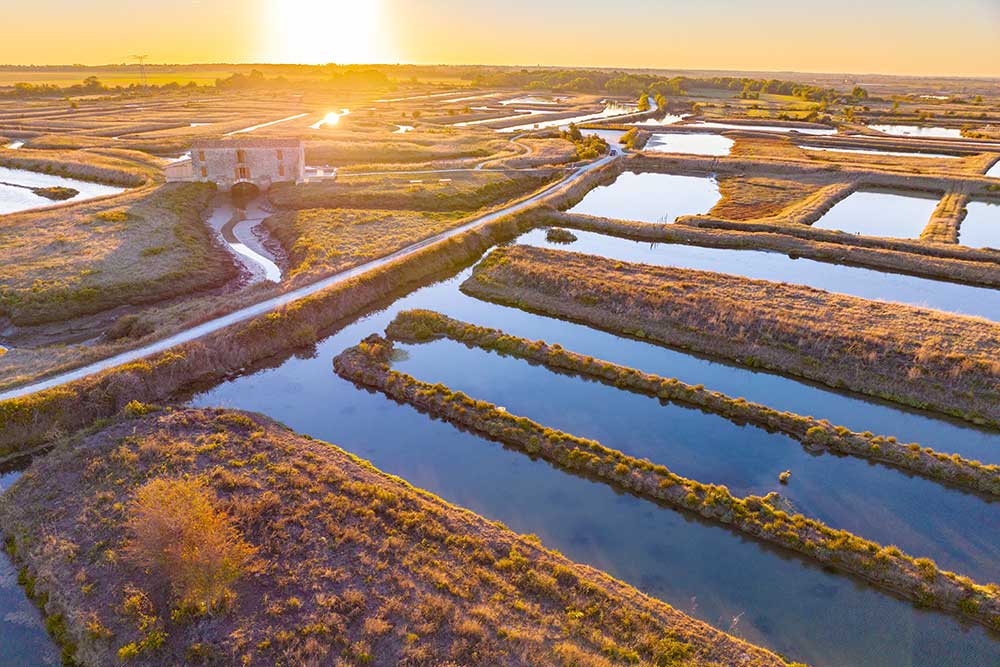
(886, 36)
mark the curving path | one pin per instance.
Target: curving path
(267, 305)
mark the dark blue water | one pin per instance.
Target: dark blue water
(23, 640)
(961, 531)
(767, 596)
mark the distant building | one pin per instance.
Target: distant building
(227, 162)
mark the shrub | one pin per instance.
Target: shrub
(175, 530)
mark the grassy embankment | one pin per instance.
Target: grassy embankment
(328, 240)
(346, 563)
(917, 579)
(971, 267)
(423, 145)
(918, 357)
(32, 420)
(137, 248)
(424, 325)
(458, 192)
(113, 167)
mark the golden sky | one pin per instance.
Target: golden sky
(958, 37)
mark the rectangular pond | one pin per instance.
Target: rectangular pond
(763, 128)
(666, 119)
(14, 198)
(690, 143)
(649, 197)
(778, 267)
(994, 171)
(919, 131)
(871, 151)
(880, 213)
(873, 501)
(763, 594)
(611, 110)
(981, 226)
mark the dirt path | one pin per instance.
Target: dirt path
(268, 305)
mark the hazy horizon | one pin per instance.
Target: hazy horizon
(884, 37)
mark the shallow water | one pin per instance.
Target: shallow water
(877, 152)
(872, 501)
(650, 197)
(767, 596)
(23, 639)
(919, 131)
(981, 226)
(13, 199)
(763, 128)
(668, 119)
(610, 111)
(689, 143)
(994, 171)
(779, 267)
(884, 214)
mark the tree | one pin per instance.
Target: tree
(661, 101)
(644, 102)
(859, 93)
(176, 532)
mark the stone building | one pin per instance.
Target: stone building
(227, 162)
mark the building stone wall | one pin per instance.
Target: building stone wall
(258, 161)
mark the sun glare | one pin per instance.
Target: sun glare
(325, 31)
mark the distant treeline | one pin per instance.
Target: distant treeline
(600, 82)
(634, 85)
(339, 78)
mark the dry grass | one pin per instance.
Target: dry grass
(138, 247)
(919, 357)
(459, 192)
(353, 566)
(759, 197)
(321, 241)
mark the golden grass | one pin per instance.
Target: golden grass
(137, 247)
(321, 241)
(915, 356)
(350, 562)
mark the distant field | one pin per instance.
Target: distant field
(123, 77)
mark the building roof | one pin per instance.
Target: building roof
(247, 143)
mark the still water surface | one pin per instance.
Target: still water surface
(650, 197)
(981, 226)
(878, 213)
(13, 199)
(762, 594)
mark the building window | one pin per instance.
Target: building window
(201, 156)
(281, 170)
(241, 156)
(281, 155)
(204, 172)
(242, 174)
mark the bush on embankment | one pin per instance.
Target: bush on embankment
(919, 580)
(424, 325)
(918, 357)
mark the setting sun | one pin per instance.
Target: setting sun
(324, 31)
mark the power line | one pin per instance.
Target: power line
(142, 67)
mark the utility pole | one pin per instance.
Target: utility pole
(142, 67)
